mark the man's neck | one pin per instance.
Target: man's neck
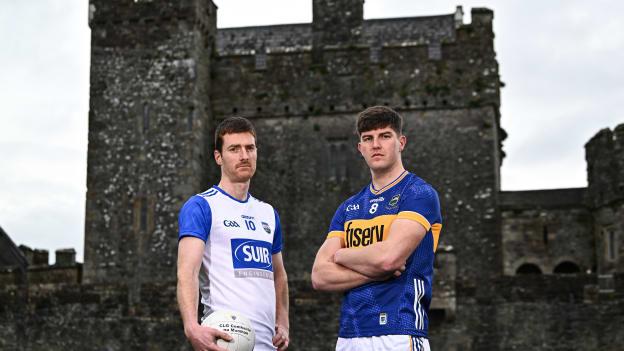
(382, 178)
(236, 190)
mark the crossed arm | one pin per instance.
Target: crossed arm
(337, 268)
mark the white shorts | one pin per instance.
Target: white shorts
(383, 343)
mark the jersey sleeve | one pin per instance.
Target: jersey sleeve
(195, 219)
(336, 227)
(420, 203)
(277, 235)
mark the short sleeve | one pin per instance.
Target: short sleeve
(420, 203)
(195, 219)
(336, 227)
(277, 235)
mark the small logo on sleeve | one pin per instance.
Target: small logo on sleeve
(266, 227)
(353, 207)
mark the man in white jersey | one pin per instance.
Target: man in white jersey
(229, 249)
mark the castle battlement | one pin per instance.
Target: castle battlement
(375, 33)
(604, 153)
(418, 63)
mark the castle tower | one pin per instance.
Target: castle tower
(605, 172)
(336, 22)
(148, 117)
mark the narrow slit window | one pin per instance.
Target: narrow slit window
(611, 245)
(146, 117)
(143, 215)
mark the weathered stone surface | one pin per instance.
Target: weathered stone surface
(547, 228)
(162, 76)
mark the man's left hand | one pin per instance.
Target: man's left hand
(281, 339)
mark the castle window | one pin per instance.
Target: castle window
(190, 119)
(435, 51)
(338, 161)
(143, 213)
(374, 54)
(528, 268)
(146, 117)
(567, 267)
(545, 234)
(610, 244)
(261, 61)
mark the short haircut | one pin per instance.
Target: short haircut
(232, 125)
(377, 117)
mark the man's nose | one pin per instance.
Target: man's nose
(376, 143)
(244, 154)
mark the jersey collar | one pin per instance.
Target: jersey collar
(389, 185)
(230, 196)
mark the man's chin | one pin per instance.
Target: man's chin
(243, 176)
(377, 165)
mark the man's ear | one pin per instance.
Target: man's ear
(217, 157)
(403, 142)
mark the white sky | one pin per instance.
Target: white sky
(561, 61)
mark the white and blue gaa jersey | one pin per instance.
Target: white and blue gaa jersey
(237, 269)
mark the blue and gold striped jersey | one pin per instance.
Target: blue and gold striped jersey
(399, 305)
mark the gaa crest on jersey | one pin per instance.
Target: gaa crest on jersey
(252, 258)
(394, 201)
(266, 227)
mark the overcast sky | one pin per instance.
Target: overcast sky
(561, 61)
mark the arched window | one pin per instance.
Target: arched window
(567, 267)
(528, 268)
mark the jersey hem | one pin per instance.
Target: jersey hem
(366, 334)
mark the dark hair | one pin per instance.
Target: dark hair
(232, 125)
(377, 117)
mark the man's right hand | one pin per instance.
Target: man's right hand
(205, 338)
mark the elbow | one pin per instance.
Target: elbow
(391, 263)
(317, 281)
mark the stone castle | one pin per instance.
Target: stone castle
(536, 269)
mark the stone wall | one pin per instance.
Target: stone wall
(90, 317)
(546, 228)
(162, 76)
(148, 119)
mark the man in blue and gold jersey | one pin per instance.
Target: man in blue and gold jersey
(380, 247)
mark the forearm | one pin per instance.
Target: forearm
(329, 276)
(281, 300)
(375, 261)
(188, 296)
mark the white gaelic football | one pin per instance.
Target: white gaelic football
(236, 325)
